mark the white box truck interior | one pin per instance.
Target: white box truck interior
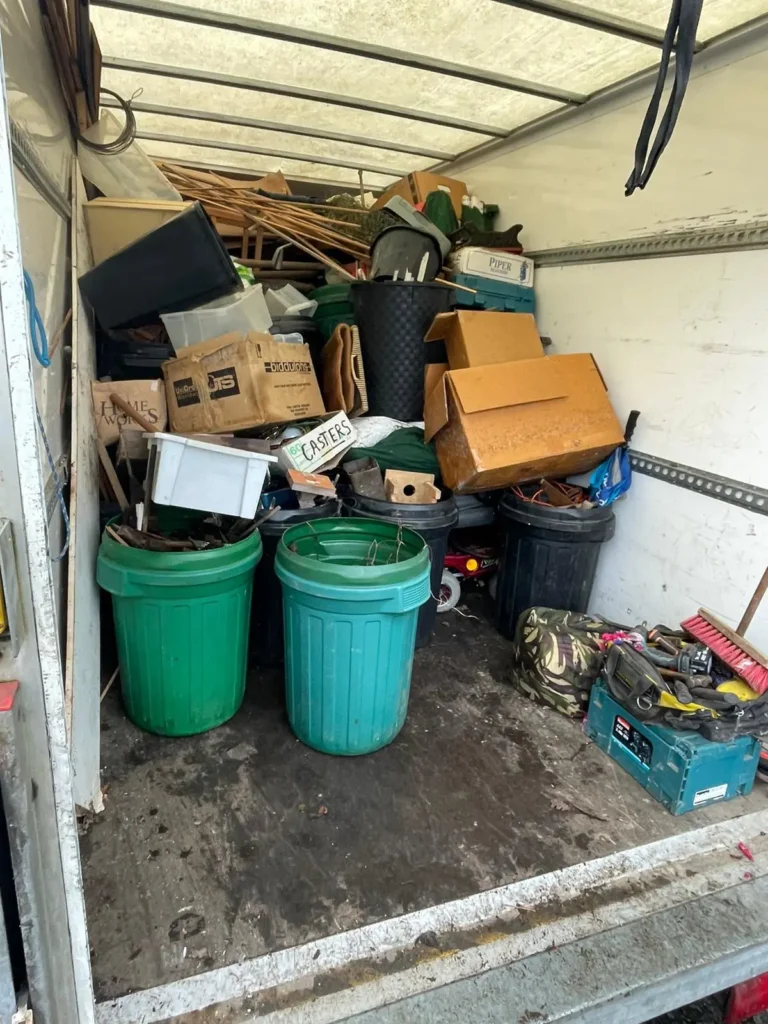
(493, 866)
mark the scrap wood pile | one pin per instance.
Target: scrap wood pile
(311, 227)
(201, 534)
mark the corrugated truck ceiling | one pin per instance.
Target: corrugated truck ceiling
(325, 88)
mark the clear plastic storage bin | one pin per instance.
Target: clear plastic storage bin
(247, 311)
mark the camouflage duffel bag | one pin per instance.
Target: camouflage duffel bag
(557, 656)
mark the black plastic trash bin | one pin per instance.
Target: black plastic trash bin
(266, 643)
(434, 523)
(393, 317)
(549, 557)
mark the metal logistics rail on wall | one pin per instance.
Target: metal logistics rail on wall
(734, 492)
(696, 242)
(28, 160)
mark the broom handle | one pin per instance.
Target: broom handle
(124, 406)
(754, 604)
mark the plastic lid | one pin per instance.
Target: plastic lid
(361, 552)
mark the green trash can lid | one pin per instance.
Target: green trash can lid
(366, 552)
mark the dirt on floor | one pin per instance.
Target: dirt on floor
(241, 841)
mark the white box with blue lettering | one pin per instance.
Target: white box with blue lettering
(493, 263)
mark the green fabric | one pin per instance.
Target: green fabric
(438, 206)
(403, 449)
(481, 219)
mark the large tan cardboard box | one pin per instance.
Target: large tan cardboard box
(503, 424)
(479, 338)
(237, 381)
(415, 187)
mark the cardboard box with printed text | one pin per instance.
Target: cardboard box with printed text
(238, 381)
(147, 397)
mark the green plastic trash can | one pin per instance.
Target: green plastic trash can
(352, 589)
(334, 307)
(181, 620)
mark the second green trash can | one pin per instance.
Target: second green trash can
(352, 589)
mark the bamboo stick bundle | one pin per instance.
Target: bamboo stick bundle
(323, 229)
(320, 233)
(316, 238)
(311, 227)
(304, 246)
(185, 179)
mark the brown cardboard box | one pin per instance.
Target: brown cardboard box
(238, 381)
(415, 187)
(503, 424)
(479, 338)
(147, 397)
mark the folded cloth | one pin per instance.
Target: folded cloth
(404, 448)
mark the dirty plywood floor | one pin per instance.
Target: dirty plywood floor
(221, 847)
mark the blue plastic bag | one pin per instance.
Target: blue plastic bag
(612, 478)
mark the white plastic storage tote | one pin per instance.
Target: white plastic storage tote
(207, 477)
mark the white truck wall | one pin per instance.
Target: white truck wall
(681, 338)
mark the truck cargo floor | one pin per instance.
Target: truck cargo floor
(242, 841)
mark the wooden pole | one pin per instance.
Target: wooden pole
(305, 247)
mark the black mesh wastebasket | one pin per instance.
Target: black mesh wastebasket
(393, 317)
(549, 557)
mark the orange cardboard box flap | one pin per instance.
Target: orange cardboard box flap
(480, 338)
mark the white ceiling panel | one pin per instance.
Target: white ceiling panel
(482, 36)
(717, 16)
(179, 153)
(176, 92)
(137, 37)
(352, 156)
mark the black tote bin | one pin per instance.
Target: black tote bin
(180, 265)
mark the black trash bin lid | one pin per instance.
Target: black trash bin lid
(596, 523)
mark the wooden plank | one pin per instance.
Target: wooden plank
(111, 474)
(82, 660)
(96, 64)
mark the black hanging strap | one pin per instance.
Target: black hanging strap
(629, 430)
(683, 22)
